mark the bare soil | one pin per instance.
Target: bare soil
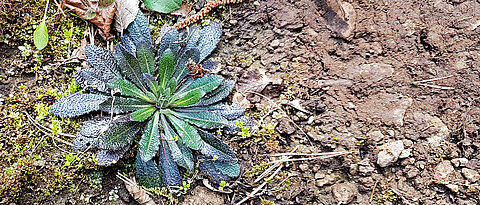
(396, 83)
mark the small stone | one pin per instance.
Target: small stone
(470, 174)
(256, 3)
(343, 193)
(327, 180)
(233, 22)
(391, 133)
(411, 172)
(443, 171)
(319, 175)
(310, 119)
(365, 167)
(460, 162)
(304, 167)
(453, 187)
(350, 105)
(275, 43)
(375, 136)
(405, 153)
(389, 153)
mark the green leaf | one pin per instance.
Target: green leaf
(188, 134)
(90, 14)
(180, 153)
(189, 99)
(162, 6)
(120, 134)
(207, 120)
(149, 144)
(166, 66)
(123, 105)
(142, 114)
(146, 59)
(147, 173)
(40, 36)
(129, 66)
(129, 89)
(205, 84)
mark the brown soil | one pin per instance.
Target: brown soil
(354, 69)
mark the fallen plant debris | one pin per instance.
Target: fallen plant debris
(203, 12)
(93, 11)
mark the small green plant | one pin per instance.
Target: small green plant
(171, 99)
(222, 185)
(40, 35)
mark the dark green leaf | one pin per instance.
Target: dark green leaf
(146, 58)
(123, 105)
(40, 36)
(180, 153)
(188, 134)
(147, 173)
(143, 114)
(128, 89)
(220, 171)
(207, 120)
(205, 84)
(229, 112)
(139, 30)
(171, 175)
(189, 99)
(109, 157)
(165, 68)
(215, 148)
(129, 66)
(77, 104)
(103, 62)
(119, 134)
(181, 69)
(210, 36)
(148, 145)
(218, 94)
(162, 6)
(88, 135)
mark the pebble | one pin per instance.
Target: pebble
(453, 187)
(405, 153)
(275, 43)
(389, 153)
(443, 170)
(326, 180)
(233, 22)
(365, 167)
(460, 162)
(343, 193)
(470, 174)
(304, 167)
(375, 136)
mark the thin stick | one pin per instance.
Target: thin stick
(42, 129)
(434, 79)
(373, 191)
(302, 154)
(252, 194)
(272, 167)
(438, 87)
(288, 117)
(308, 158)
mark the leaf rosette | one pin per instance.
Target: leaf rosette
(155, 95)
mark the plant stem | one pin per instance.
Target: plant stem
(46, 9)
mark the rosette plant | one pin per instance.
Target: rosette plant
(174, 107)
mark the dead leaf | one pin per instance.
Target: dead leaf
(139, 194)
(184, 10)
(103, 15)
(126, 12)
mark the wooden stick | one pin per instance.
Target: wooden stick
(433, 79)
(42, 129)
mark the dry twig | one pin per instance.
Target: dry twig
(43, 128)
(203, 12)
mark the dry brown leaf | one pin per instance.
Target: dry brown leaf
(184, 10)
(140, 195)
(126, 12)
(103, 18)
